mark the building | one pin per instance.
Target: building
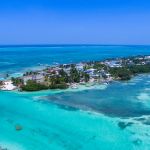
(113, 63)
(80, 67)
(8, 86)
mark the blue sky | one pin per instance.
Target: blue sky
(74, 21)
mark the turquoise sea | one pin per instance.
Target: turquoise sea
(102, 117)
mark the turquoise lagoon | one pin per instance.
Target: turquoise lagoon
(102, 117)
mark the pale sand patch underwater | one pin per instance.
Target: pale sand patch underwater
(144, 97)
(10, 146)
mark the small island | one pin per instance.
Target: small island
(63, 76)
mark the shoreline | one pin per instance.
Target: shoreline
(56, 91)
(80, 87)
(66, 76)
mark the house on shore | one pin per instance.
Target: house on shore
(8, 86)
(39, 78)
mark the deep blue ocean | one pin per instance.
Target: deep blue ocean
(16, 59)
(101, 117)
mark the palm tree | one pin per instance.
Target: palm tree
(1, 83)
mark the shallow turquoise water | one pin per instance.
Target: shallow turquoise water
(119, 99)
(49, 126)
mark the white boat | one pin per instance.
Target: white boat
(105, 83)
(74, 86)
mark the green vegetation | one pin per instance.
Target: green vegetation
(30, 73)
(85, 76)
(59, 86)
(55, 83)
(74, 75)
(17, 81)
(64, 76)
(33, 86)
(122, 73)
(1, 83)
(140, 69)
(125, 73)
(99, 66)
(58, 83)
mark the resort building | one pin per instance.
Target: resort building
(8, 86)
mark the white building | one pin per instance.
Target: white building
(80, 67)
(8, 86)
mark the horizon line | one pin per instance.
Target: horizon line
(67, 45)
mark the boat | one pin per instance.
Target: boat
(74, 86)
